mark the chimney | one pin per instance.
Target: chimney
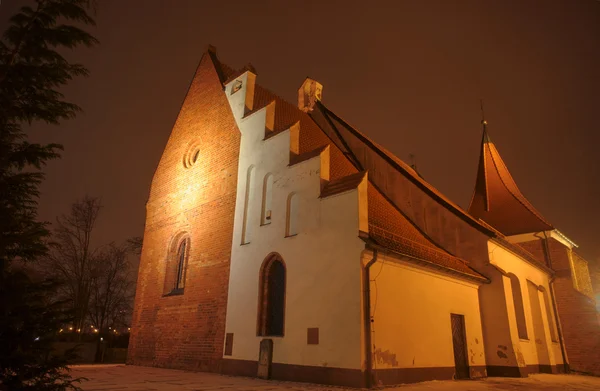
(309, 93)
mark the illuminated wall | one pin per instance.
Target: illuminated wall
(192, 197)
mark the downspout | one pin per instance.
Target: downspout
(555, 307)
(367, 320)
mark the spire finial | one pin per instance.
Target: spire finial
(484, 123)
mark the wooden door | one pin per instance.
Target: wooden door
(459, 343)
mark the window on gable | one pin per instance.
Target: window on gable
(266, 202)
(272, 283)
(518, 304)
(176, 266)
(292, 215)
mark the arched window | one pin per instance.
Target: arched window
(550, 315)
(176, 265)
(518, 303)
(249, 197)
(266, 201)
(271, 311)
(292, 215)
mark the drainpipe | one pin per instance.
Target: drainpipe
(367, 321)
(555, 307)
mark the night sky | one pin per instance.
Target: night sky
(409, 74)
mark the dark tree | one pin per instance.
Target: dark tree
(31, 73)
(98, 282)
(72, 259)
(113, 288)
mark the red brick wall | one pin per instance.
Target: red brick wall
(537, 249)
(188, 330)
(578, 316)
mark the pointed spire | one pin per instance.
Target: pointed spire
(497, 200)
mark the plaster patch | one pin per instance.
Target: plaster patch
(386, 357)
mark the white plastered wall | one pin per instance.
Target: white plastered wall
(539, 347)
(411, 308)
(322, 261)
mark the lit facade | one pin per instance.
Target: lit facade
(280, 242)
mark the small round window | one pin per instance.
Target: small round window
(192, 156)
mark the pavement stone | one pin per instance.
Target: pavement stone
(136, 378)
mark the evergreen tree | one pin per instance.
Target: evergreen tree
(31, 72)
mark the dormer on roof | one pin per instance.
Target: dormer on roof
(497, 200)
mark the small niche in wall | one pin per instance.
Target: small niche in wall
(237, 85)
(228, 344)
(312, 336)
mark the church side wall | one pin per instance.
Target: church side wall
(411, 309)
(540, 351)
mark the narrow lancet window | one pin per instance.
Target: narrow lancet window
(181, 255)
(292, 215)
(518, 304)
(248, 202)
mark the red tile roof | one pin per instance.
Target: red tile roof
(421, 252)
(498, 201)
(341, 185)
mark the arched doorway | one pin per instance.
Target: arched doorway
(271, 311)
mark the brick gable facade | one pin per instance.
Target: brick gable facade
(193, 194)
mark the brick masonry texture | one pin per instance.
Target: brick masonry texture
(188, 330)
(578, 316)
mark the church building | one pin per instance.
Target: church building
(283, 243)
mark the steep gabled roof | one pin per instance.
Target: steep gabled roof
(353, 142)
(388, 227)
(497, 200)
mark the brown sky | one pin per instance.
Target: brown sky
(407, 73)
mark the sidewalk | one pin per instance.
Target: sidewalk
(133, 378)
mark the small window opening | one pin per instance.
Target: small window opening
(195, 156)
(292, 215)
(267, 197)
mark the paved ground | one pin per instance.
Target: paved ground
(131, 378)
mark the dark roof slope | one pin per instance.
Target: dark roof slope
(498, 201)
